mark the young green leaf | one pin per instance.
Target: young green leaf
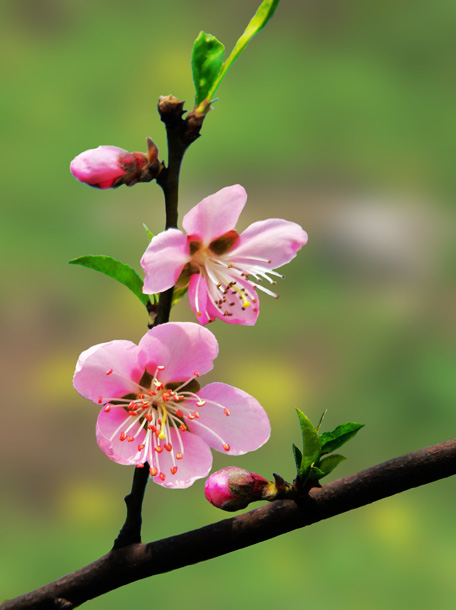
(338, 437)
(315, 474)
(328, 463)
(149, 234)
(207, 59)
(297, 456)
(118, 271)
(264, 13)
(321, 420)
(311, 444)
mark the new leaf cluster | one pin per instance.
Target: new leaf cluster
(317, 460)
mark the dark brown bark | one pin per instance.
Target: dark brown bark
(135, 561)
(180, 134)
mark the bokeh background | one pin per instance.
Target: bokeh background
(339, 116)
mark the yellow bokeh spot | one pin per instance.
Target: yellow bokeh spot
(84, 502)
(52, 378)
(393, 522)
(274, 384)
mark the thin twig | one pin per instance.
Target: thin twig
(131, 529)
(180, 134)
(134, 562)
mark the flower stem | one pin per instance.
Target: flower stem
(131, 529)
(180, 133)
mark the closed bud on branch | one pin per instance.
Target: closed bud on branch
(234, 488)
(109, 166)
(169, 108)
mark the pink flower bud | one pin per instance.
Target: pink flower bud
(109, 166)
(100, 167)
(234, 488)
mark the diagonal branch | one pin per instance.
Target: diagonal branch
(136, 561)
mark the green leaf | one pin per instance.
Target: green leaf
(311, 444)
(321, 420)
(297, 456)
(207, 59)
(118, 271)
(338, 437)
(264, 13)
(328, 463)
(315, 474)
(149, 234)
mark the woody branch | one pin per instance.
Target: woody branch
(137, 561)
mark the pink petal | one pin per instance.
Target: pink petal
(216, 215)
(195, 464)
(181, 347)
(164, 260)
(246, 428)
(122, 452)
(237, 313)
(274, 240)
(91, 379)
(199, 300)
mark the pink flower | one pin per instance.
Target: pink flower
(234, 488)
(154, 410)
(216, 261)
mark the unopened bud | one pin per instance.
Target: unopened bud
(170, 108)
(109, 166)
(234, 488)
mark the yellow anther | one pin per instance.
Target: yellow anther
(162, 434)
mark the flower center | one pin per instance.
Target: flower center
(227, 274)
(156, 418)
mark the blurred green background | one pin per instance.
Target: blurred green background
(340, 116)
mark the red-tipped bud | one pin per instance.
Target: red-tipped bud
(234, 488)
(109, 166)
